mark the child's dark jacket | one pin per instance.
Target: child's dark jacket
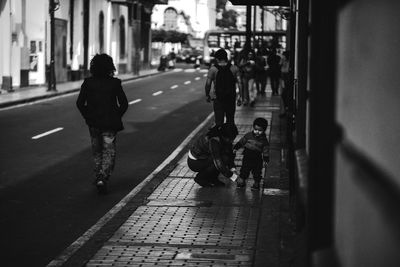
(254, 146)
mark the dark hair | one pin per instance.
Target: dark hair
(263, 123)
(221, 54)
(102, 65)
(226, 130)
(286, 54)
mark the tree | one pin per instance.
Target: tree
(229, 18)
(168, 36)
(221, 4)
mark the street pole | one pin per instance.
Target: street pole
(248, 26)
(52, 74)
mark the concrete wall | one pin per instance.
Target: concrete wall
(368, 109)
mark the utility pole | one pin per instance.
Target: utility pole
(52, 73)
(248, 26)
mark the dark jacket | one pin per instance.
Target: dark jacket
(212, 147)
(102, 102)
(254, 146)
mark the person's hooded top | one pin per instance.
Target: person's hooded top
(213, 146)
(102, 102)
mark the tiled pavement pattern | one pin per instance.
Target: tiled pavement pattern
(183, 224)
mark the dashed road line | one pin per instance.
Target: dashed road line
(135, 101)
(47, 133)
(174, 86)
(77, 244)
(197, 78)
(190, 70)
(205, 75)
(187, 82)
(157, 93)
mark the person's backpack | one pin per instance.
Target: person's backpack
(225, 83)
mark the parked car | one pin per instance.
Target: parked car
(196, 54)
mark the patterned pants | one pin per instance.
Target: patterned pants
(103, 148)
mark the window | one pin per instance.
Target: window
(170, 19)
(122, 37)
(101, 32)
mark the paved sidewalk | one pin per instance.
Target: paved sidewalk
(33, 93)
(183, 224)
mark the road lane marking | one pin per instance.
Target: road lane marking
(190, 70)
(174, 86)
(78, 243)
(157, 93)
(203, 70)
(135, 101)
(205, 75)
(187, 82)
(178, 70)
(197, 78)
(47, 133)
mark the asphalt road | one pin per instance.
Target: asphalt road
(46, 197)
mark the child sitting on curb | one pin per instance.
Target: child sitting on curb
(256, 150)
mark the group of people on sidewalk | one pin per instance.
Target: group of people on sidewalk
(214, 153)
(102, 103)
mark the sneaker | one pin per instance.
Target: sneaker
(256, 186)
(240, 183)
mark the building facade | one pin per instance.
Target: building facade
(193, 16)
(82, 29)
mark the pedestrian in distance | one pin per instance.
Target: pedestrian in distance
(285, 63)
(220, 88)
(212, 154)
(261, 73)
(274, 71)
(256, 151)
(102, 103)
(248, 67)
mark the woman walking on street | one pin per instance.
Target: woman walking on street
(102, 102)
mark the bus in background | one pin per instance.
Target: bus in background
(232, 40)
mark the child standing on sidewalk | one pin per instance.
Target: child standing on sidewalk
(256, 150)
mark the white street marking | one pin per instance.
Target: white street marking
(174, 86)
(197, 78)
(157, 93)
(47, 133)
(83, 239)
(135, 101)
(187, 82)
(178, 70)
(203, 70)
(190, 70)
(205, 75)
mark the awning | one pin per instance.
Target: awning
(261, 2)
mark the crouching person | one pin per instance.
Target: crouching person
(212, 154)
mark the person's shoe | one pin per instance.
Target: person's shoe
(217, 183)
(256, 186)
(101, 186)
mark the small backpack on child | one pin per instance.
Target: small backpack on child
(225, 83)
